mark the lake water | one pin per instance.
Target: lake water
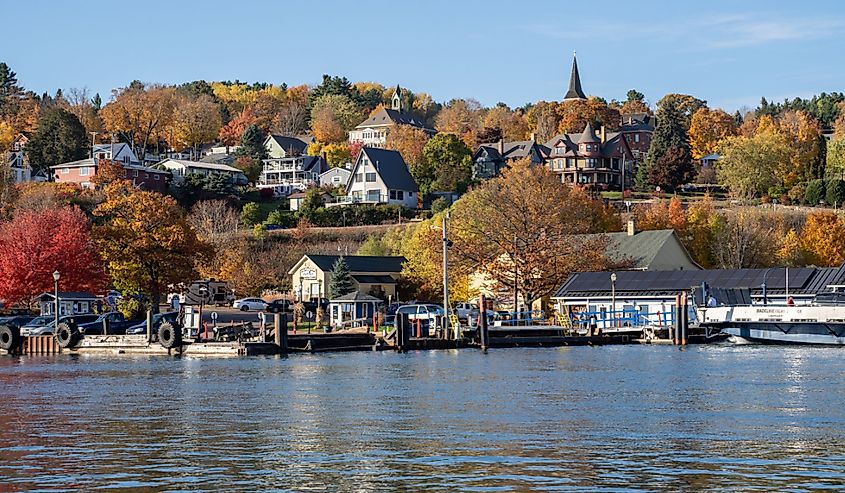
(619, 418)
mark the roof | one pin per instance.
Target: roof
(358, 263)
(641, 248)
(118, 147)
(289, 143)
(76, 164)
(711, 157)
(68, 295)
(571, 141)
(218, 158)
(806, 281)
(202, 165)
(575, 91)
(336, 169)
(512, 150)
(392, 169)
(388, 116)
(588, 135)
(357, 296)
(374, 279)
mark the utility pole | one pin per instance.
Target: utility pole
(445, 238)
(93, 141)
(515, 278)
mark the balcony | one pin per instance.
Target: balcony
(353, 200)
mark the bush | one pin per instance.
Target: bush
(815, 192)
(796, 194)
(439, 205)
(250, 214)
(777, 191)
(835, 192)
(282, 219)
(131, 308)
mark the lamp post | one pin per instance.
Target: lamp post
(56, 276)
(613, 295)
(763, 286)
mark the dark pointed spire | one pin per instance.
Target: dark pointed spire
(588, 136)
(575, 91)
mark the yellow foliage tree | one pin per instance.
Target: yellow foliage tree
(821, 239)
(513, 124)
(677, 215)
(140, 112)
(146, 242)
(7, 135)
(790, 253)
(196, 121)
(652, 216)
(236, 97)
(409, 141)
(702, 223)
(707, 128)
(575, 114)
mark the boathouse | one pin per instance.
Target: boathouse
(651, 294)
(373, 275)
(69, 303)
(355, 309)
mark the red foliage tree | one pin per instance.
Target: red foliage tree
(34, 244)
(355, 149)
(231, 133)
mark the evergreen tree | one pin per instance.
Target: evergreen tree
(252, 143)
(97, 102)
(60, 138)
(670, 133)
(8, 84)
(341, 282)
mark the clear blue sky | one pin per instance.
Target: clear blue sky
(727, 52)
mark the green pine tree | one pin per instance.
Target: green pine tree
(341, 282)
(252, 143)
(670, 133)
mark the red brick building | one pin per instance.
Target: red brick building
(83, 171)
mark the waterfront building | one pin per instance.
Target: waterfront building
(70, 303)
(282, 146)
(181, 168)
(380, 176)
(294, 173)
(376, 276)
(82, 172)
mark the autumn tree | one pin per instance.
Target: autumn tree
(699, 234)
(461, 117)
(333, 116)
(635, 103)
(835, 167)
(139, 113)
(683, 106)
(744, 240)
(409, 141)
(529, 245)
(707, 128)
(55, 240)
(214, 220)
(672, 169)
(196, 121)
(292, 118)
(232, 132)
(821, 239)
(60, 138)
(543, 120)
(575, 114)
(337, 154)
(80, 103)
(146, 242)
(513, 124)
(748, 166)
(804, 135)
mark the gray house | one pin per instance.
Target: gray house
(335, 177)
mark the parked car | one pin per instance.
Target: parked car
(312, 304)
(280, 306)
(16, 321)
(247, 304)
(429, 316)
(117, 324)
(46, 325)
(158, 318)
(463, 310)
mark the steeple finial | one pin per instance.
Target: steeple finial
(575, 91)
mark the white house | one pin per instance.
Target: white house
(291, 174)
(380, 176)
(120, 152)
(180, 168)
(373, 131)
(335, 177)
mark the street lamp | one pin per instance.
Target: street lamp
(613, 294)
(56, 276)
(763, 286)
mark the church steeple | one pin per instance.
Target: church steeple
(575, 91)
(396, 102)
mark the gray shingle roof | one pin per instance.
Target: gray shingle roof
(389, 116)
(641, 248)
(588, 135)
(290, 143)
(360, 263)
(357, 296)
(392, 169)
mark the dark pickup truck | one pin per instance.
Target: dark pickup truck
(117, 324)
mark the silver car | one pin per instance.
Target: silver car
(46, 325)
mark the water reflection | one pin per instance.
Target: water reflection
(580, 419)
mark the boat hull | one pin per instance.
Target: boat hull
(813, 333)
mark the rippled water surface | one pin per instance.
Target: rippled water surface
(624, 418)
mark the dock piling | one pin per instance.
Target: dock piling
(482, 313)
(149, 325)
(280, 322)
(402, 322)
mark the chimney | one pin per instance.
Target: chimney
(533, 137)
(603, 134)
(632, 230)
(501, 146)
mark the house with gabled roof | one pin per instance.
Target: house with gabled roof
(181, 168)
(373, 131)
(380, 176)
(601, 161)
(291, 174)
(378, 276)
(282, 146)
(490, 159)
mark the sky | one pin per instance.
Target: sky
(729, 53)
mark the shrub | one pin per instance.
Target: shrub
(796, 194)
(815, 192)
(835, 192)
(282, 219)
(439, 204)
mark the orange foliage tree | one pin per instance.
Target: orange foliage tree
(821, 239)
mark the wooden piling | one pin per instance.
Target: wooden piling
(105, 326)
(281, 335)
(149, 326)
(483, 334)
(402, 323)
(684, 319)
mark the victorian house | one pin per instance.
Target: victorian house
(373, 131)
(490, 159)
(602, 161)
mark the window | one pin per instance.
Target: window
(359, 178)
(560, 150)
(155, 177)
(371, 177)
(636, 137)
(65, 171)
(135, 173)
(83, 171)
(335, 179)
